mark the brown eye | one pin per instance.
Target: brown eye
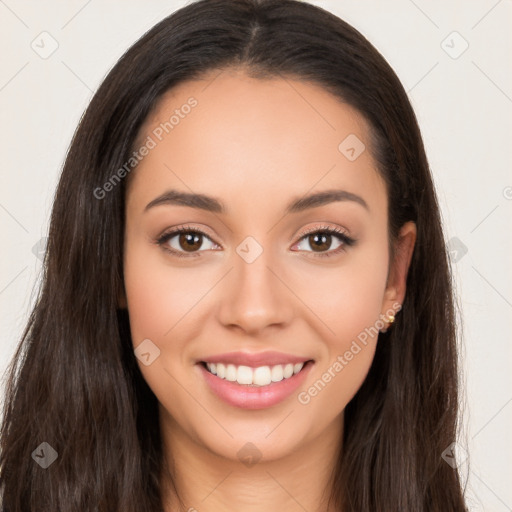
(190, 241)
(186, 242)
(320, 241)
(324, 241)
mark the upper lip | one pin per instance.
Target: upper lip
(256, 359)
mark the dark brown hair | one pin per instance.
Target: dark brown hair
(74, 382)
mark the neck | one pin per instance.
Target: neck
(204, 481)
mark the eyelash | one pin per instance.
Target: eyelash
(340, 234)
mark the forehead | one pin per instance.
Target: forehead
(252, 139)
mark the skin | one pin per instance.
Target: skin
(256, 145)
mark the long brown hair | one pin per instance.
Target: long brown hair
(74, 382)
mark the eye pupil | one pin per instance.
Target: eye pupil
(190, 241)
(320, 240)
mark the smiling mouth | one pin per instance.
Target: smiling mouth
(255, 377)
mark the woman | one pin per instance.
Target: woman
(246, 302)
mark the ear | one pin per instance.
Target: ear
(399, 267)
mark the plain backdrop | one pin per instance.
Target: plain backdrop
(452, 59)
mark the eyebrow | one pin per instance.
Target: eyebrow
(211, 204)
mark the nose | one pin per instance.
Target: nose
(254, 296)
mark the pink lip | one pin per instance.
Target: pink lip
(254, 397)
(256, 359)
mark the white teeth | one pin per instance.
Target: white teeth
(260, 376)
(244, 375)
(231, 372)
(288, 371)
(277, 373)
(221, 371)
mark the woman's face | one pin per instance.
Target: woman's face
(278, 273)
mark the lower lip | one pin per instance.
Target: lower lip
(254, 397)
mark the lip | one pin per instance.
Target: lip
(246, 396)
(269, 358)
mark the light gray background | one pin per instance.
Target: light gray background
(463, 102)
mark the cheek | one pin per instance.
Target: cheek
(334, 384)
(148, 309)
(160, 299)
(347, 302)
(346, 299)
(159, 296)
